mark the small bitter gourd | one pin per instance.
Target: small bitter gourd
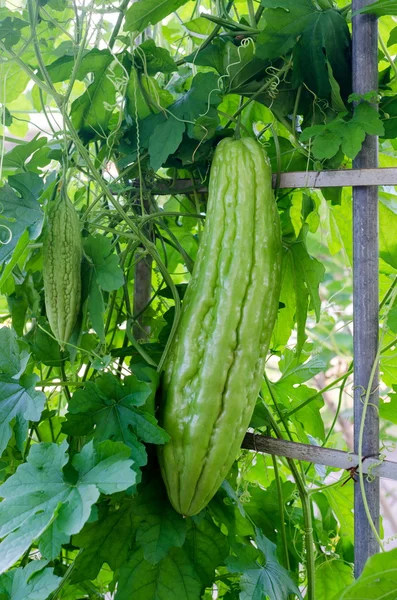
(62, 254)
(216, 362)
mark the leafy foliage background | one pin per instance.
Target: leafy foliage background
(122, 101)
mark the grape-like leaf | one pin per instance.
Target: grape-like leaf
(173, 578)
(149, 12)
(21, 400)
(260, 581)
(107, 540)
(109, 409)
(33, 582)
(43, 491)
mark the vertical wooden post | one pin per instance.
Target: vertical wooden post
(365, 286)
(142, 295)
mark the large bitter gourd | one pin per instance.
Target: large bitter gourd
(62, 254)
(216, 362)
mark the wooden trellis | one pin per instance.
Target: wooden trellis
(365, 178)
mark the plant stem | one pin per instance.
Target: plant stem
(307, 516)
(119, 21)
(251, 13)
(283, 531)
(388, 55)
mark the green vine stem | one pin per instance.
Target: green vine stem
(307, 511)
(388, 55)
(366, 404)
(283, 531)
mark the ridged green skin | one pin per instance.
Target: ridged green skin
(216, 362)
(62, 253)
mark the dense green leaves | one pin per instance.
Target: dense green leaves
(19, 400)
(20, 211)
(32, 582)
(43, 498)
(108, 539)
(173, 578)
(378, 579)
(149, 12)
(78, 428)
(262, 574)
(348, 135)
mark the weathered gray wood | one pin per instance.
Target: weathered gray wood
(298, 179)
(340, 178)
(365, 288)
(319, 455)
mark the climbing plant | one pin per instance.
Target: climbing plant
(120, 106)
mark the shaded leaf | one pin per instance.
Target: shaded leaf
(260, 581)
(377, 581)
(18, 400)
(107, 540)
(149, 12)
(173, 578)
(19, 213)
(105, 263)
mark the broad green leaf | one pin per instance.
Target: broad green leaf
(165, 139)
(10, 31)
(259, 580)
(341, 501)
(42, 492)
(381, 8)
(33, 582)
(296, 369)
(367, 116)
(333, 576)
(388, 363)
(154, 59)
(392, 318)
(110, 409)
(13, 82)
(393, 37)
(91, 112)
(173, 578)
(206, 546)
(161, 527)
(387, 232)
(19, 213)
(105, 263)
(309, 416)
(95, 61)
(10, 357)
(107, 540)
(324, 40)
(285, 20)
(310, 271)
(42, 344)
(377, 581)
(96, 309)
(353, 138)
(388, 410)
(17, 159)
(327, 144)
(286, 314)
(149, 12)
(18, 399)
(199, 101)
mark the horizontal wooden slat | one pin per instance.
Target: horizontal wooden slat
(340, 178)
(318, 455)
(299, 179)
